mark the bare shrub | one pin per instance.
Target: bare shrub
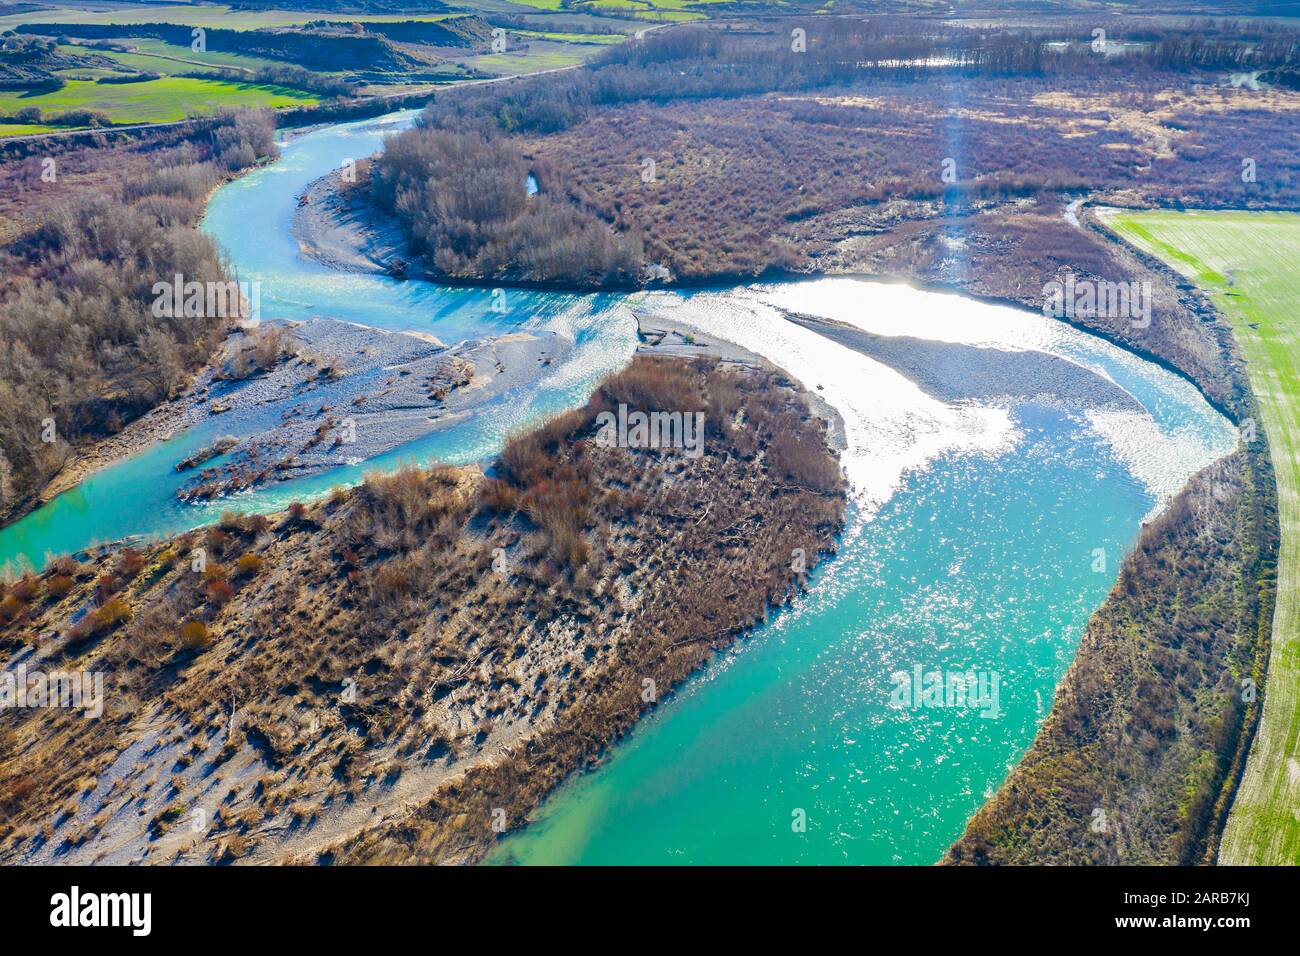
(248, 565)
(59, 586)
(109, 615)
(654, 384)
(499, 496)
(194, 635)
(560, 507)
(800, 459)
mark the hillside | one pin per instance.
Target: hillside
(310, 50)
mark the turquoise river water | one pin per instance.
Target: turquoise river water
(980, 538)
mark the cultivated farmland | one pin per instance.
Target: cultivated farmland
(1245, 262)
(163, 100)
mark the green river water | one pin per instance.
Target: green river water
(972, 545)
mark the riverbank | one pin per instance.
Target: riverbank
(1143, 758)
(76, 374)
(337, 226)
(672, 337)
(342, 229)
(1139, 758)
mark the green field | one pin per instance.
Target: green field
(183, 57)
(1247, 263)
(212, 16)
(600, 39)
(163, 100)
(661, 10)
(521, 62)
(19, 129)
(154, 56)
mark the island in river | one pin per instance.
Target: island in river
(446, 645)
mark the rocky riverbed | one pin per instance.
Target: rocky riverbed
(345, 393)
(338, 393)
(336, 226)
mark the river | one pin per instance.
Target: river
(981, 536)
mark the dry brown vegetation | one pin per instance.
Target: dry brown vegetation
(81, 352)
(461, 201)
(831, 161)
(459, 643)
(847, 179)
(785, 182)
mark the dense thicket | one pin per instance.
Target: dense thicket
(80, 347)
(31, 64)
(746, 182)
(461, 200)
(454, 32)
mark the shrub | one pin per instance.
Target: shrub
(58, 586)
(724, 399)
(560, 507)
(106, 586)
(11, 608)
(110, 614)
(402, 495)
(651, 384)
(217, 540)
(248, 565)
(803, 461)
(16, 794)
(260, 350)
(524, 459)
(219, 591)
(499, 496)
(528, 455)
(256, 524)
(392, 582)
(93, 118)
(129, 563)
(64, 564)
(194, 635)
(405, 509)
(238, 157)
(24, 589)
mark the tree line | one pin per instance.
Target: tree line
(81, 352)
(701, 62)
(460, 198)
